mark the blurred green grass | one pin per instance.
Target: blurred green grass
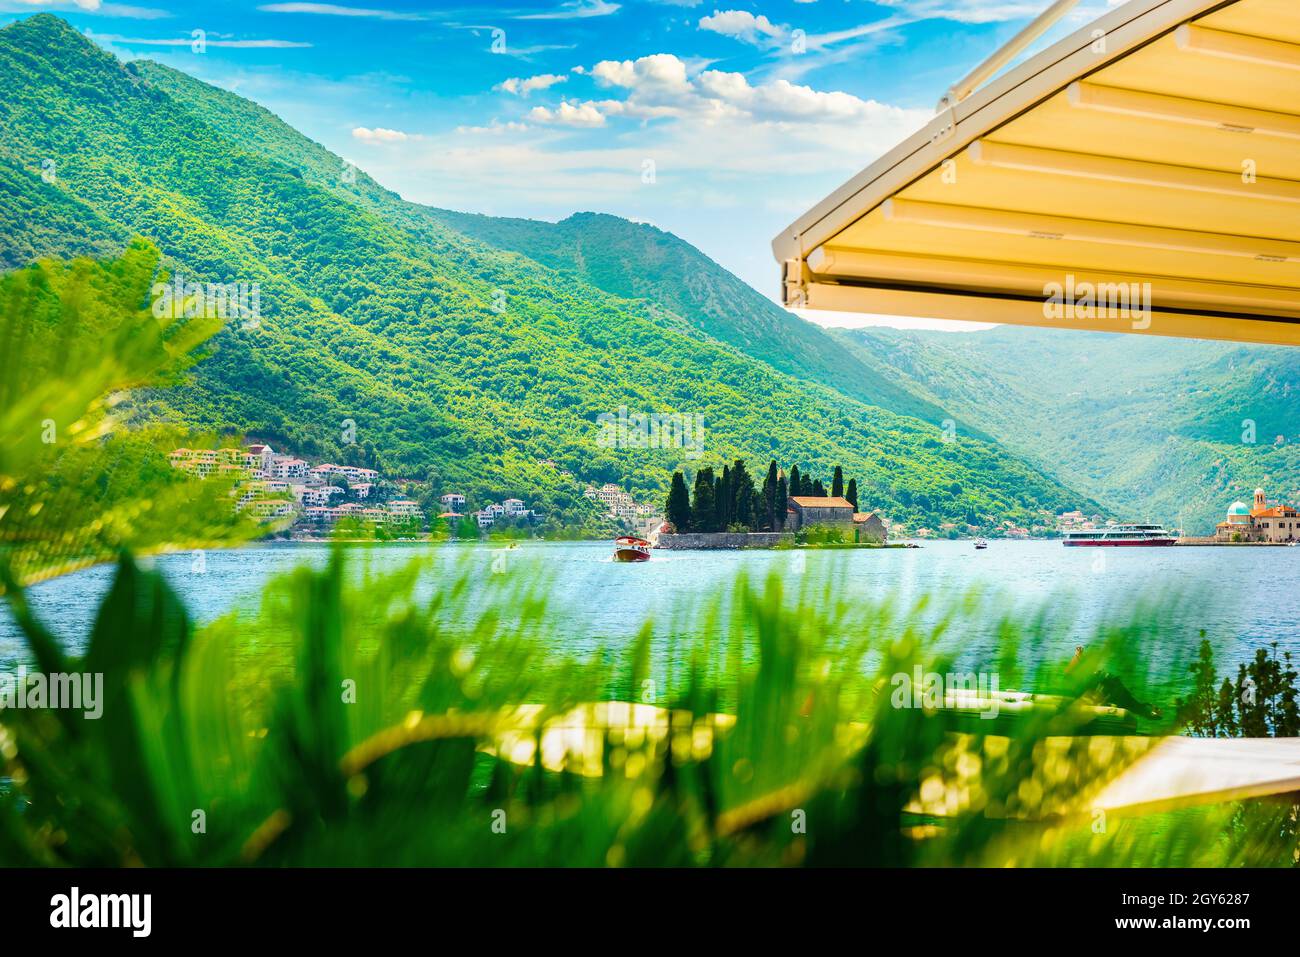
(394, 723)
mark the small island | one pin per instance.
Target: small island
(728, 511)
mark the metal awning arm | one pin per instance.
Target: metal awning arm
(1005, 54)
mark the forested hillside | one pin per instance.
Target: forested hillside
(456, 360)
(637, 260)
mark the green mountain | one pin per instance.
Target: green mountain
(1159, 429)
(640, 261)
(458, 361)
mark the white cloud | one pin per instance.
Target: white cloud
(659, 73)
(522, 86)
(575, 10)
(743, 25)
(119, 10)
(661, 86)
(494, 127)
(784, 101)
(569, 114)
(187, 41)
(968, 11)
(338, 10)
(379, 135)
(79, 4)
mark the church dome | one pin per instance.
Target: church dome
(1238, 508)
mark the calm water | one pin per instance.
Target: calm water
(1244, 596)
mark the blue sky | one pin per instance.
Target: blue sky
(745, 113)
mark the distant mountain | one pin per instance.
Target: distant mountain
(455, 359)
(1155, 428)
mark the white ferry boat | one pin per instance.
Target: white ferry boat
(1121, 535)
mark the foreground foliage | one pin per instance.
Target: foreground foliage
(399, 720)
(76, 485)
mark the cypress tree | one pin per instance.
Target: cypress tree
(702, 506)
(837, 483)
(742, 496)
(678, 509)
(818, 489)
(852, 493)
(783, 504)
(796, 486)
(769, 498)
(724, 499)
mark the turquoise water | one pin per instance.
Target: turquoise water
(1245, 597)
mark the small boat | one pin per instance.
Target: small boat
(631, 549)
(981, 544)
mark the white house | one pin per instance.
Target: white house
(404, 508)
(286, 467)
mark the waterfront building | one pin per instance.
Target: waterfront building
(810, 510)
(1259, 522)
(870, 527)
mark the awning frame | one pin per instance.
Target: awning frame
(1066, 65)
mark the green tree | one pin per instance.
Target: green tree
(703, 504)
(769, 497)
(742, 495)
(837, 483)
(678, 508)
(852, 493)
(722, 502)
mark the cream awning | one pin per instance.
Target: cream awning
(1151, 157)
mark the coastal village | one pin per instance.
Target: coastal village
(622, 507)
(279, 487)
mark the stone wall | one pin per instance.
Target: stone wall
(716, 540)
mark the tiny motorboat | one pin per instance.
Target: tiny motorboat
(631, 549)
(981, 544)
